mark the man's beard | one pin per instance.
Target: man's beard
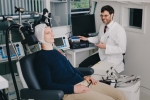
(108, 21)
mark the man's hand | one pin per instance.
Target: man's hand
(83, 38)
(101, 45)
(89, 79)
(81, 89)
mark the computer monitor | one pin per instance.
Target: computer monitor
(83, 25)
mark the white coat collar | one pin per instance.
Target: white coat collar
(110, 24)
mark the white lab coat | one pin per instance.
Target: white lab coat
(115, 39)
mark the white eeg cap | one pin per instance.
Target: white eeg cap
(39, 32)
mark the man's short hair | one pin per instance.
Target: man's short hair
(108, 8)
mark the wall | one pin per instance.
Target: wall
(60, 31)
(137, 58)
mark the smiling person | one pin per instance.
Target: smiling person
(111, 42)
(54, 72)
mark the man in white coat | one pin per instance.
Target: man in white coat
(111, 41)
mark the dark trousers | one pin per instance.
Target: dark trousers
(90, 61)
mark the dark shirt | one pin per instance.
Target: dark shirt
(55, 72)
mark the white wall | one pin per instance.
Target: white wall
(60, 31)
(137, 58)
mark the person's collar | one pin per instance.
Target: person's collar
(110, 24)
(47, 46)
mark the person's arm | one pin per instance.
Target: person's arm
(94, 39)
(120, 41)
(81, 74)
(90, 39)
(44, 77)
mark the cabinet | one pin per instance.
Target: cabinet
(76, 56)
(132, 92)
(60, 12)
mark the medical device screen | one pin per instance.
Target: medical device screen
(83, 25)
(12, 52)
(59, 41)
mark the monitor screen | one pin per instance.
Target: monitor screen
(11, 50)
(59, 41)
(83, 25)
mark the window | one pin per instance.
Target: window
(80, 6)
(135, 17)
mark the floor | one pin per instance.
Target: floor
(144, 96)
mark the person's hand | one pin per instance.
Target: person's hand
(90, 79)
(81, 89)
(101, 45)
(83, 38)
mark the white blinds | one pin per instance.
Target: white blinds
(7, 7)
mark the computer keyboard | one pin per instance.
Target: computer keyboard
(92, 34)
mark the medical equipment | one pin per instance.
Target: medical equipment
(18, 48)
(105, 72)
(132, 92)
(61, 42)
(74, 39)
(76, 45)
(8, 39)
(102, 69)
(16, 53)
(130, 85)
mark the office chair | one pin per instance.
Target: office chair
(34, 91)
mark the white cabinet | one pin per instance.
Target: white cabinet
(60, 12)
(132, 92)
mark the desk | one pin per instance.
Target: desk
(3, 83)
(73, 53)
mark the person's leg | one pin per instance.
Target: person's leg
(108, 90)
(90, 95)
(90, 61)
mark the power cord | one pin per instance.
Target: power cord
(70, 34)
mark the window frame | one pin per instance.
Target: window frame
(81, 10)
(132, 20)
(125, 14)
